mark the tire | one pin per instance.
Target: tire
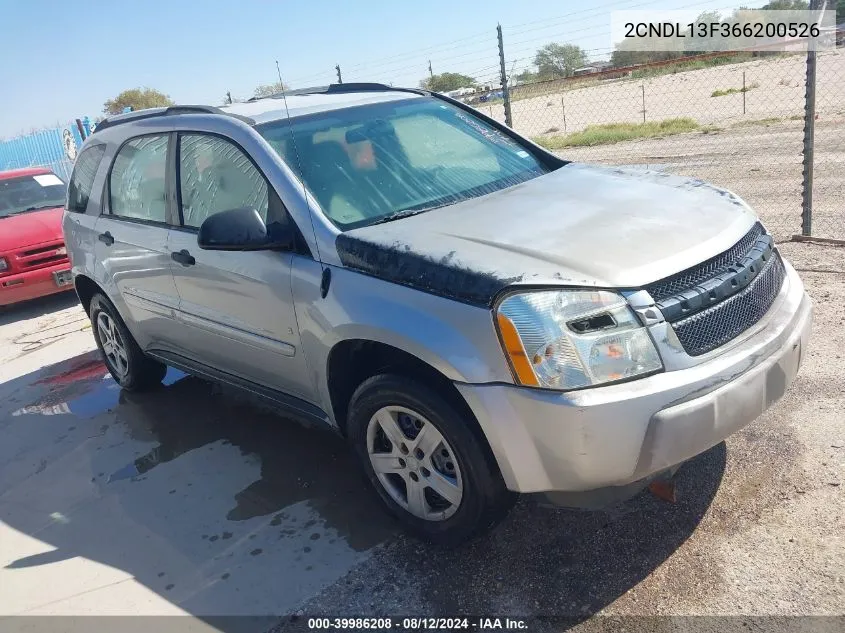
(129, 366)
(483, 498)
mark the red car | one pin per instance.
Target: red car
(33, 257)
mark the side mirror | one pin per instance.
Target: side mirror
(242, 230)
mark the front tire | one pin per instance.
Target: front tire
(128, 365)
(424, 460)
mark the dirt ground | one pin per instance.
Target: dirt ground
(775, 88)
(194, 500)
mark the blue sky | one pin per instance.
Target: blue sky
(64, 59)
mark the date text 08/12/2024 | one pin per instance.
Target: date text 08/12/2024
(418, 624)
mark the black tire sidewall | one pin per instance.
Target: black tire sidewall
(143, 372)
(482, 488)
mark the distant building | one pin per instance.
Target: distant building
(591, 68)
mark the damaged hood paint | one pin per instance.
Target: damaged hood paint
(579, 225)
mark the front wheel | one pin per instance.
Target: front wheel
(424, 460)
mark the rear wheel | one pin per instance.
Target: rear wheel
(424, 460)
(128, 365)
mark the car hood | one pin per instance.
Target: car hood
(26, 229)
(579, 225)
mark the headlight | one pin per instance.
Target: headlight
(567, 339)
(4, 265)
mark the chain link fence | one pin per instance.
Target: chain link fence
(737, 121)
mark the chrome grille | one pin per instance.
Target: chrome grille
(715, 326)
(714, 266)
(40, 256)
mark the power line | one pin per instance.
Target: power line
(453, 44)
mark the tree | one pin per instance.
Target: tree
(444, 82)
(559, 60)
(787, 5)
(268, 90)
(137, 99)
(631, 53)
(528, 76)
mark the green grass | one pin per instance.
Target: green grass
(733, 91)
(618, 132)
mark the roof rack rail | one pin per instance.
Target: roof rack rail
(150, 113)
(338, 89)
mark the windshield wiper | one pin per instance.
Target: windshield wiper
(398, 215)
(406, 213)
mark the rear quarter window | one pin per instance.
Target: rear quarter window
(82, 178)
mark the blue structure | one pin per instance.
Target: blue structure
(54, 148)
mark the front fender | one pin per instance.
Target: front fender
(456, 339)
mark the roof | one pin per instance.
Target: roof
(292, 103)
(273, 108)
(27, 171)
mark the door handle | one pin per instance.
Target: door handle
(183, 257)
(106, 238)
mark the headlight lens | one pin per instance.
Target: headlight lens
(4, 265)
(567, 339)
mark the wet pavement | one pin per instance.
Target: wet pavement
(212, 501)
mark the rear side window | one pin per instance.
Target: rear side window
(215, 176)
(82, 178)
(137, 185)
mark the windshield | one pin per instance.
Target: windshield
(378, 162)
(31, 193)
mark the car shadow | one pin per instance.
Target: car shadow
(567, 563)
(220, 506)
(35, 308)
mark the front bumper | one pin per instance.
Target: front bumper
(32, 284)
(584, 440)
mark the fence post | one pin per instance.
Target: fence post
(809, 134)
(505, 94)
(563, 107)
(744, 90)
(643, 87)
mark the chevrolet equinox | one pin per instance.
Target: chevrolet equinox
(478, 316)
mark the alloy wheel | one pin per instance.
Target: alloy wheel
(414, 463)
(114, 348)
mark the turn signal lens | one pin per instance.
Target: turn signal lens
(516, 352)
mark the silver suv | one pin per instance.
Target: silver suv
(476, 315)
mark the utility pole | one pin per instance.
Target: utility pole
(505, 94)
(339, 78)
(430, 72)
